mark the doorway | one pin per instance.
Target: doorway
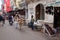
(56, 17)
(39, 12)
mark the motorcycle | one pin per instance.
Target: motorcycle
(11, 22)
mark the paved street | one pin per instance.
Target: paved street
(10, 33)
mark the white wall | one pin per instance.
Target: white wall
(49, 18)
(31, 11)
(31, 8)
(0, 4)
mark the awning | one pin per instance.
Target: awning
(53, 4)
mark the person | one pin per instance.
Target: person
(16, 21)
(20, 21)
(32, 22)
(10, 19)
(1, 19)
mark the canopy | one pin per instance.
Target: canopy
(54, 4)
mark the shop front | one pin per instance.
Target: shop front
(36, 9)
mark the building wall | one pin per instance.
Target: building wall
(0, 4)
(12, 4)
(31, 11)
(20, 4)
(17, 3)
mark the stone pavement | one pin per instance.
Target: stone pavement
(11, 33)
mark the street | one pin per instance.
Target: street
(8, 32)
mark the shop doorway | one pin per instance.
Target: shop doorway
(56, 17)
(39, 13)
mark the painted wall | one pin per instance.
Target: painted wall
(31, 11)
(17, 3)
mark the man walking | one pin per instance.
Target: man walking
(1, 19)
